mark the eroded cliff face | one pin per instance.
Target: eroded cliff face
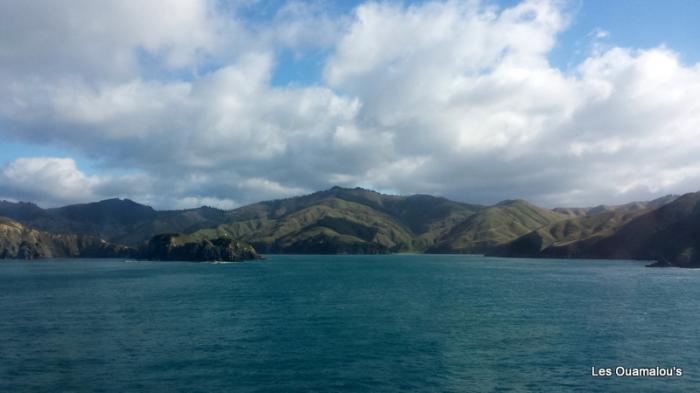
(19, 242)
(175, 247)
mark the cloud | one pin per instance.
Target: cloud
(193, 201)
(47, 39)
(56, 181)
(448, 97)
(52, 181)
(34, 177)
(599, 33)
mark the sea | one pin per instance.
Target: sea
(386, 323)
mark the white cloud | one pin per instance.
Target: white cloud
(600, 33)
(270, 189)
(450, 97)
(47, 38)
(195, 202)
(57, 177)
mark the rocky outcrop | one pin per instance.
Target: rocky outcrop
(661, 263)
(176, 247)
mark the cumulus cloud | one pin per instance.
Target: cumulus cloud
(448, 97)
(52, 181)
(34, 177)
(48, 39)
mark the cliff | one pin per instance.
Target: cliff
(176, 247)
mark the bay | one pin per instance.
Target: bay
(391, 323)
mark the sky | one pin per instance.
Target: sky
(184, 103)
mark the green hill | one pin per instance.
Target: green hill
(343, 220)
(666, 230)
(178, 247)
(594, 225)
(338, 220)
(116, 220)
(356, 220)
(494, 226)
(670, 233)
(19, 242)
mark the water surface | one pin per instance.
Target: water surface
(423, 323)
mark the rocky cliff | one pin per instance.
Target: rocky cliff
(176, 247)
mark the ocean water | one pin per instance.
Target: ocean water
(397, 323)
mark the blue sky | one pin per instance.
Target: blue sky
(629, 23)
(226, 103)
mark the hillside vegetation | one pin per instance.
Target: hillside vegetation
(19, 242)
(669, 234)
(345, 220)
(494, 226)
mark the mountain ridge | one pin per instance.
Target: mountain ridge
(358, 220)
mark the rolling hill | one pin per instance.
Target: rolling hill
(669, 234)
(356, 220)
(342, 220)
(119, 221)
(338, 220)
(494, 226)
(667, 231)
(583, 224)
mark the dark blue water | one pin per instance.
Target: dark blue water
(345, 323)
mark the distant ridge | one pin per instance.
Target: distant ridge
(357, 220)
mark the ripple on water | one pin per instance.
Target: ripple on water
(345, 323)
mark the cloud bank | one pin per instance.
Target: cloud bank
(174, 104)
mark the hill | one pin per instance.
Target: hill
(669, 233)
(356, 220)
(494, 226)
(19, 242)
(178, 247)
(584, 224)
(338, 220)
(117, 220)
(342, 220)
